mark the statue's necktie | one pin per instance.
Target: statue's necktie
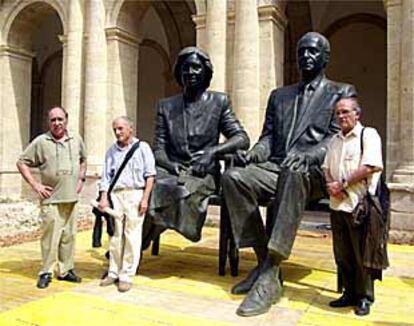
(303, 102)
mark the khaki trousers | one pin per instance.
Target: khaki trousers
(58, 237)
(125, 244)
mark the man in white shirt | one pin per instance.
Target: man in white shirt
(349, 173)
(129, 197)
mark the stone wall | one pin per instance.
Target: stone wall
(20, 222)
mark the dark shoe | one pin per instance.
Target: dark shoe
(245, 285)
(266, 291)
(344, 301)
(70, 277)
(44, 280)
(96, 244)
(362, 308)
(107, 255)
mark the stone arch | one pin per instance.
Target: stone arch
(197, 7)
(31, 34)
(356, 18)
(19, 6)
(35, 31)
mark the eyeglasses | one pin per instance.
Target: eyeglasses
(344, 112)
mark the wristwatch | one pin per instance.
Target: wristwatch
(83, 179)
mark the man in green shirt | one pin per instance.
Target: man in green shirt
(61, 160)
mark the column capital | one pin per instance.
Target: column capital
(392, 3)
(274, 14)
(63, 39)
(199, 21)
(120, 35)
(19, 53)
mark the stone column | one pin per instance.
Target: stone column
(393, 84)
(401, 111)
(216, 30)
(16, 77)
(246, 94)
(272, 23)
(72, 66)
(95, 107)
(200, 26)
(123, 52)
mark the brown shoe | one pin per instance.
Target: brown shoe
(124, 286)
(107, 281)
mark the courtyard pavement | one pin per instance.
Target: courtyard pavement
(181, 287)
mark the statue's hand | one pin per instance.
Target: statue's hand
(201, 161)
(176, 168)
(243, 158)
(297, 162)
(172, 167)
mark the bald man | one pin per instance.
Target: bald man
(61, 159)
(129, 197)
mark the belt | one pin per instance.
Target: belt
(127, 189)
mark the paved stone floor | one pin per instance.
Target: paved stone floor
(181, 287)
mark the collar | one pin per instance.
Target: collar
(49, 136)
(119, 148)
(355, 132)
(313, 85)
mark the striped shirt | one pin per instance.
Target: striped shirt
(140, 166)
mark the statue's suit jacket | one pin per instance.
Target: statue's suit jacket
(180, 140)
(315, 124)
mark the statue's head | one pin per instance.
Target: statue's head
(193, 68)
(313, 52)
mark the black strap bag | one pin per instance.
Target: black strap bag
(110, 226)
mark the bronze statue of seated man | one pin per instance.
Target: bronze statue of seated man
(284, 164)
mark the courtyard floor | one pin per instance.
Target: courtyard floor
(181, 287)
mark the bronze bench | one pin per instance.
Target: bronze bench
(227, 247)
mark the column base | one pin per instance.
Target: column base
(402, 206)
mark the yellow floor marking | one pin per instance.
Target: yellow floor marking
(80, 309)
(189, 271)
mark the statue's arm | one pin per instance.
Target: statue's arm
(161, 141)
(230, 127)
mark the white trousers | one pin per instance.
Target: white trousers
(125, 244)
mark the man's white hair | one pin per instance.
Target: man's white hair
(354, 103)
(128, 120)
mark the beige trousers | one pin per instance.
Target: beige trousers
(125, 244)
(58, 237)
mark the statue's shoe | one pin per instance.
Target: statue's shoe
(245, 285)
(266, 291)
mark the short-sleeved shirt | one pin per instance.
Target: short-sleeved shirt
(58, 163)
(140, 166)
(344, 157)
